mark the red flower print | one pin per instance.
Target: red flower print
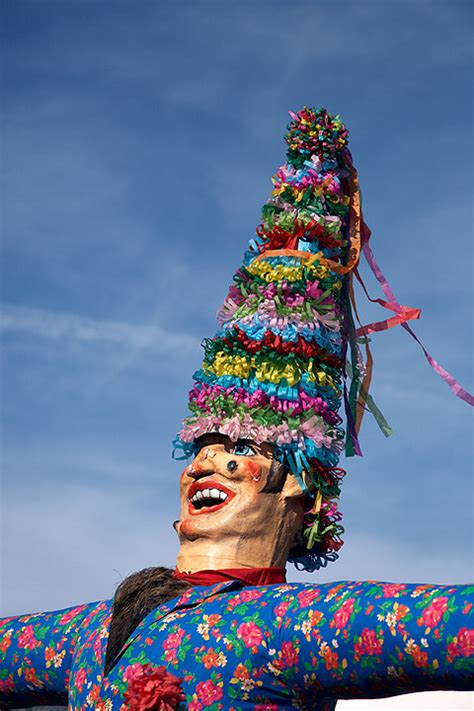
(248, 595)
(70, 614)
(195, 705)
(432, 614)
(265, 707)
(289, 654)
(6, 642)
(7, 685)
(97, 649)
(331, 658)
(6, 621)
(420, 658)
(401, 611)
(213, 619)
(80, 679)
(151, 689)
(306, 597)
(208, 692)
(210, 659)
(342, 615)
(27, 638)
(392, 589)
(333, 591)
(93, 695)
(250, 634)
(171, 657)
(244, 596)
(30, 676)
(368, 643)
(463, 644)
(466, 641)
(280, 610)
(241, 672)
(332, 661)
(173, 640)
(467, 608)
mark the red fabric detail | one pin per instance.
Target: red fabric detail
(278, 238)
(275, 342)
(247, 576)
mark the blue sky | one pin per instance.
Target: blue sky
(139, 142)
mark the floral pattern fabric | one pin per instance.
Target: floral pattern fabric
(286, 646)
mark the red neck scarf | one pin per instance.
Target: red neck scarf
(247, 576)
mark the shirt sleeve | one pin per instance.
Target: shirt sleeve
(35, 655)
(349, 640)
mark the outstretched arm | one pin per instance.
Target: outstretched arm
(36, 652)
(369, 639)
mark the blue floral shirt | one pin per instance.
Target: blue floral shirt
(285, 646)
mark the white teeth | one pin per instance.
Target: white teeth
(210, 494)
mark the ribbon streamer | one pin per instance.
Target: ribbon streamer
(404, 314)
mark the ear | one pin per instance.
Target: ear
(291, 488)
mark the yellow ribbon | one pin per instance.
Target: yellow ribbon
(267, 371)
(277, 272)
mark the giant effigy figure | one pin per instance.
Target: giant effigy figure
(224, 630)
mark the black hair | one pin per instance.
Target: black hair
(134, 598)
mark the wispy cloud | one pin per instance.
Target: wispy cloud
(108, 537)
(59, 326)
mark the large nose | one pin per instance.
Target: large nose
(203, 464)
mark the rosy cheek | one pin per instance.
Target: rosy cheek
(253, 470)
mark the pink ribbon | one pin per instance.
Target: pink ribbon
(404, 314)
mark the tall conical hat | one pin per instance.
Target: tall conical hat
(276, 369)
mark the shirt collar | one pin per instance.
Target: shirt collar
(190, 598)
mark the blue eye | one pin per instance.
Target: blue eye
(242, 449)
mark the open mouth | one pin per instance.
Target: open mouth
(205, 497)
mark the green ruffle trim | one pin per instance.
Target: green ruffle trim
(305, 309)
(316, 532)
(274, 216)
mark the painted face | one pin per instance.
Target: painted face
(222, 490)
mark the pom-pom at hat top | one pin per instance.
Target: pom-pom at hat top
(276, 369)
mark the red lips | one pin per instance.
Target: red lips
(208, 484)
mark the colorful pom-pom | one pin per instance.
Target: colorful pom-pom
(314, 132)
(152, 688)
